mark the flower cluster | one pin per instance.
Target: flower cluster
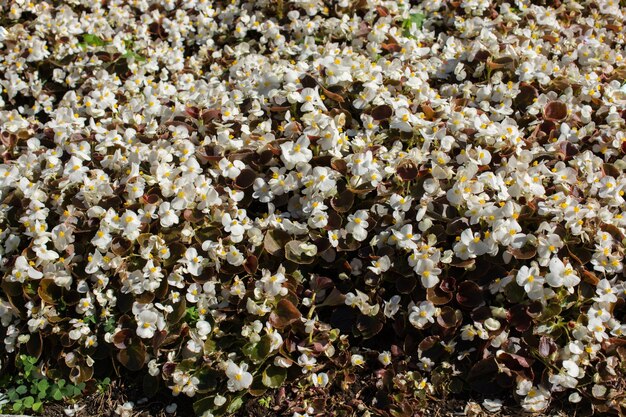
(235, 196)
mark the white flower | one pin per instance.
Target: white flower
(598, 390)
(167, 215)
(405, 238)
(238, 377)
(561, 276)
(273, 283)
(392, 306)
(130, 223)
(203, 327)
(421, 314)
(575, 397)
(380, 265)
(357, 360)
(294, 153)
(231, 169)
(357, 225)
(605, 291)
(306, 362)
(492, 406)
(147, 323)
(535, 399)
(427, 269)
(23, 270)
(384, 358)
(531, 281)
(193, 262)
(319, 380)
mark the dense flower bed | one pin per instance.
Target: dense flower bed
(231, 197)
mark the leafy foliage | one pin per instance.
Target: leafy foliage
(29, 390)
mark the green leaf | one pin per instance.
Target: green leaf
(274, 376)
(191, 316)
(57, 395)
(93, 40)
(135, 55)
(257, 352)
(514, 293)
(21, 389)
(28, 402)
(203, 405)
(17, 406)
(38, 406)
(43, 385)
(12, 395)
(416, 19)
(109, 325)
(234, 405)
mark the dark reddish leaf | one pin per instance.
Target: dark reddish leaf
(246, 178)
(406, 285)
(481, 375)
(526, 252)
(120, 246)
(407, 170)
(456, 226)
(519, 318)
(449, 318)
(555, 111)
(382, 112)
(469, 294)
(251, 264)
(49, 291)
(133, 357)
(382, 11)
(501, 62)
(210, 114)
(612, 229)
(193, 216)
(339, 165)
(192, 111)
(121, 339)
(428, 111)
(590, 277)
(526, 96)
(368, 326)
(331, 95)
(275, 241)
(34, 346)
(159, 338)
(437, 296)
(319, 283)
(343, 201)
(579, 254)
(284, 314)
(335, 298)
